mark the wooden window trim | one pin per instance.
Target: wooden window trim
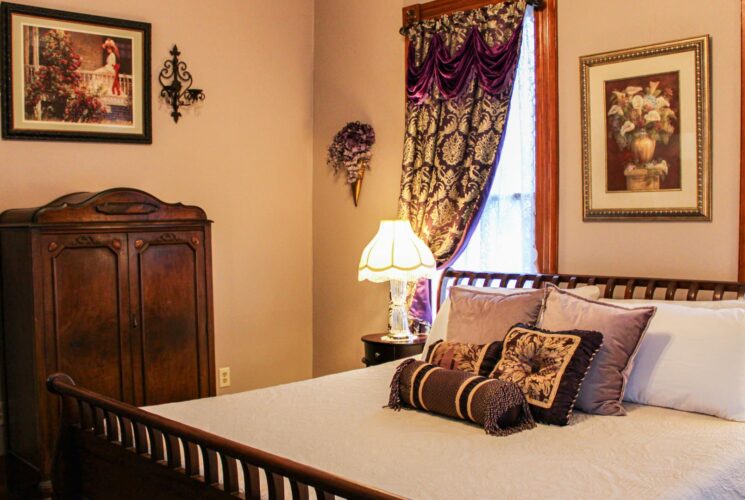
(741, 270)
(547, 108)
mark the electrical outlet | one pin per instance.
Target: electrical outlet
(224, 376)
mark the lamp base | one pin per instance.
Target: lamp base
(401, 339)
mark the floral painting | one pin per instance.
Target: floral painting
(74, 76)
(646, 132)
(643, 135)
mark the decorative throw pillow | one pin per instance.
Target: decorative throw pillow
(496, 404)
(477, 359)
(549, 367)
(481, 318)
(622, 329)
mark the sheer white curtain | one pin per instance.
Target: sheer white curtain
(504, 238)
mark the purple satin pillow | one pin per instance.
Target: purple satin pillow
(622, 329)
(480, 318)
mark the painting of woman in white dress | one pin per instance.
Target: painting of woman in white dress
(111, 66)
(75, 76)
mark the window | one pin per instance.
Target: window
(504, 238)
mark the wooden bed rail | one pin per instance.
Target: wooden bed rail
(652, 288)
(109, 449)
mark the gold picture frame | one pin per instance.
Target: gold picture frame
(646, 132)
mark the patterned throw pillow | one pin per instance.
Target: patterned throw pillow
(549, 368)
(477, 359)
(496, 404)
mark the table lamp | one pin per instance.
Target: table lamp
(397, 255)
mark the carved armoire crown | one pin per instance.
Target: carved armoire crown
(113, 288)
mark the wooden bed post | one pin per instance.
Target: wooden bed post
(66, 473)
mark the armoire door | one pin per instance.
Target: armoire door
(169, 303)
(86, 310)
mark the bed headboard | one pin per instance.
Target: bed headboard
(610, 286)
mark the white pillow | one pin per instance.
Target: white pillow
(705, 304)
(692, 359)
(439, 328)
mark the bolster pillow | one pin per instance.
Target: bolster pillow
(499, 406)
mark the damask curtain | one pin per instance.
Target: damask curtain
(504, 236)
(460, 76)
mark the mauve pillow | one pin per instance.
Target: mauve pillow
(622, 329)
(480, 318)
(440, 325)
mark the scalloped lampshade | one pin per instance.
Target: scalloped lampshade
(395, 253)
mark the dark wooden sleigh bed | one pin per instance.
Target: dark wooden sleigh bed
(109, 449)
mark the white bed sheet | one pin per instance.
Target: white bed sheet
(337, 423)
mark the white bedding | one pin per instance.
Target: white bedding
(338, 424)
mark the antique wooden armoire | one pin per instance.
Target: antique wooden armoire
(113, 288)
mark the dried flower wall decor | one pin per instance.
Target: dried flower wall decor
(350, 151)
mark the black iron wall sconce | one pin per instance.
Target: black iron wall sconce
(178, 93)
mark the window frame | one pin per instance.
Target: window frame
(741, 267)
(547, 107)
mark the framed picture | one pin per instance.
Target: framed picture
(74, 77)
(646, 132)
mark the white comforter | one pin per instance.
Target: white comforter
(338, 424)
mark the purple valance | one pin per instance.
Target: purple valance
(494, 66)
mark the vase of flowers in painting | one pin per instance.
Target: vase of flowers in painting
(643, 147)
(638, 119)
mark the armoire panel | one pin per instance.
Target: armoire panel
(170, 274)
(87, 311)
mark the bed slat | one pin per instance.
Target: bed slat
(140, 439)
(322, 495)
(629, 293)
(157, 452)
(191, 459)
(209, 465)
(128, 440)
(692, 292)
(173, 451)
(251, 481)
(99, 427)
(672, 287)
(229, 474)
(275, 484)
(112, 427)
(299, 490)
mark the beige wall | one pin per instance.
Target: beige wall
(686, 250)
(359, 75)
(245, 156)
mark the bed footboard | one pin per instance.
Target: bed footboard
(109, 449)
